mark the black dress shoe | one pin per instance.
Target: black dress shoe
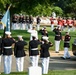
(56, 52)
(63, 58)
(68, 58)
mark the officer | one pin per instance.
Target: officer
(19, 53)
(45, 55)
(33, 32)
(66, 46)
(58, 37)
(7, 52)
(33, 51)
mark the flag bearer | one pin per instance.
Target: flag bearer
(7, 52)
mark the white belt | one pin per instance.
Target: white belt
(7, 47)
(70, 24)
(34, 48)
(57, 35)
(66, 41)
(65, 24)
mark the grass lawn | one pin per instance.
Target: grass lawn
(60, 72)
(26, 37)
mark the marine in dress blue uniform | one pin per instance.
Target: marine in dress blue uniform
(19, 53)
(66, 46)
(58, 37)
(43, 32)
(33, 51)
(45, 55)
(7, 52)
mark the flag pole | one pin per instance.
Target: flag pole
(4, 25)
(4, 32)
(9, 6)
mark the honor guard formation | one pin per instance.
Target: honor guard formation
(38, 48)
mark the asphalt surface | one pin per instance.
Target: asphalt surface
(56, 63)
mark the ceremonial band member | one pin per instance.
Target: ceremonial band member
(66, 46)
(64, 23)
(74, 24)
(22, 22)
(60, 23)
(19, 53)
(33, 51)
(38, 22)
(58, 37)
(7, 52)
(53, 20)
(45, 55)
(70, 24)
(27, 22)
(31, 21)
(15, 22)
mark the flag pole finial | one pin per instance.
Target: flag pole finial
(9, 6)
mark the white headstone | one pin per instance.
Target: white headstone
(34, 70)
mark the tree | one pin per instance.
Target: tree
(40, 7)
(57, 10)
(71, 9)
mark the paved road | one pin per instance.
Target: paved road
(56, 63)
(26, 64)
